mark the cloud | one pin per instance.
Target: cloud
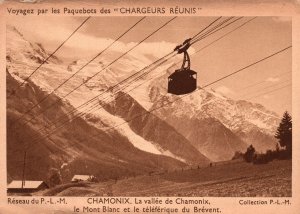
(224, 90)
(273, 79)
(88, 44)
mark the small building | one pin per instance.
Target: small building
(78, 178)
(27, 187)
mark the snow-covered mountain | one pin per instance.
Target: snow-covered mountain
(204, 126)
(217, 125)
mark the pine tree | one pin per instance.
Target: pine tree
(284, 133)
(249, 154)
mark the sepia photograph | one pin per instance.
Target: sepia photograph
(147, 106)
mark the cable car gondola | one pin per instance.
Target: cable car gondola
(183, 80)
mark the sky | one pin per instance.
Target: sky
(259, 38)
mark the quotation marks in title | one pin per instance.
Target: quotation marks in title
(157, 10)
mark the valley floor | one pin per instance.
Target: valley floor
(231, 179)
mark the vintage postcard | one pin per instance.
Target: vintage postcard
(149, 106)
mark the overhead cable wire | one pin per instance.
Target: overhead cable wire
(210, 24)
(216, 30)
(254, 63)
(219, 25)
(219, 38)
(266, 87)
(252, 95)
(269, 92)
(264, 81)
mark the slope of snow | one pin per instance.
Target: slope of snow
(137, 141)
(143, 98)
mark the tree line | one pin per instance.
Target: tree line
(283, 148)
